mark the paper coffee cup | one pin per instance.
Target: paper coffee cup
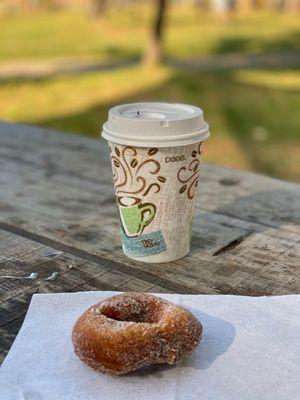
(155, 151)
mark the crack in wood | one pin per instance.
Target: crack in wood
(232, 245)
(229, 181)
(22, 316)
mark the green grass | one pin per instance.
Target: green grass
(62, 35)
(125, 33)
(254, 114)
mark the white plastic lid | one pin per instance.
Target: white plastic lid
(155, 124)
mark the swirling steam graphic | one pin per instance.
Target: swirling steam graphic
(129, 173)
(189, 176)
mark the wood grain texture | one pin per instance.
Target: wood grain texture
(57, 198)
(23, 256)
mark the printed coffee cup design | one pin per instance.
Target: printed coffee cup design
(135, 215)
(155, 155)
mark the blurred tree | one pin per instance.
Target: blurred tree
(29, 5)
(154, 53)
(98, 7)
(202, 4)
(292, 6)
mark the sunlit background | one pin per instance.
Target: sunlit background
(64, 63)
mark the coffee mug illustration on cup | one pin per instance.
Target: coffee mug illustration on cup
(135, 215)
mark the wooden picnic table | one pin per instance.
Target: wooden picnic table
(59, 225)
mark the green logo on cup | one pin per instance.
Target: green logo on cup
(135, 215)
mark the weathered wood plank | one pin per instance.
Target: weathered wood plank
(200, 272)
(7, 336)
(76, 273)
(73, 271)
(81, 213)
(21, 256)
(235, 193)
(94, 225)
(57, 214)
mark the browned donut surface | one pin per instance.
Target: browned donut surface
(131, 330)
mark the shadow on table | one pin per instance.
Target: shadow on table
(218, 335)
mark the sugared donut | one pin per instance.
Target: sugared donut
(131, 330)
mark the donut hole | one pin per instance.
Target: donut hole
(129, 313)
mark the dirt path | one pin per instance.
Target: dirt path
(233, 61)
(35, 69)
(50, 68)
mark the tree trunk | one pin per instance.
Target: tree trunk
(29, 5)
(98, 7)
(154, 53)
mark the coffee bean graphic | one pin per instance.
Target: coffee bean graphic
(133, 163)
(153, 151)
(161, 179)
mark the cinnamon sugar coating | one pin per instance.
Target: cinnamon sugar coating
(131, 330)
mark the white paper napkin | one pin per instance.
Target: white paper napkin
(250, 351)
